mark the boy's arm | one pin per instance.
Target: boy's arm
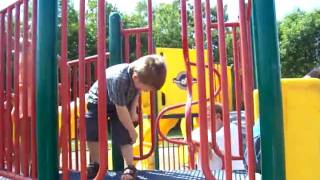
(133, 108)
(125, 119)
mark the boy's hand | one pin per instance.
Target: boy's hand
(134, 135)
(134, 116)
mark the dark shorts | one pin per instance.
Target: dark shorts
(119, 133)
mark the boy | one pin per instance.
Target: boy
(215, 162)
(124, 83)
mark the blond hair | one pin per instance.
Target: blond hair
(151, 70)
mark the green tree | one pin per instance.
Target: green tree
(299, 43)
(91, 28)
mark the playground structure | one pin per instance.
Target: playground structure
(21, 157)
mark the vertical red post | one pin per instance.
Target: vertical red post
(201, 88)
(248, 87)
(65, 102)
(237, 86)
(185, 48)
(8, 123)
(138, 45)
(74, 75)
(16, 89)
(33, 89)
(140, 119)
(211, 81)
(82, 89)
(224, 84)
(2, 75)
(126, 48)
(25, 88)
(102, 116)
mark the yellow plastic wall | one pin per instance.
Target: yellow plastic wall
(175, 65)
(301, 115)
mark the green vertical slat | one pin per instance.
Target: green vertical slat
(268, 69)
(46, 91)
(115, 49)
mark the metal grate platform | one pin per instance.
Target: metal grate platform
(169, 175)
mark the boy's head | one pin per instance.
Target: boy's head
(149, 72)
(218, 114)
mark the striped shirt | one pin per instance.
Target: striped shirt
(120, 86)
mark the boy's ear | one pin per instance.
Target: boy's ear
(135, 76)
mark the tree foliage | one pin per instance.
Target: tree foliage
(299, 43)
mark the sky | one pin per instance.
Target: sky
(283, 7)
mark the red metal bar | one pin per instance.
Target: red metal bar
(138, 46)
(150, 43)
(140, 119)
(13, 176)
(250, 49)
(237, 87)
(226, 24)
(65, 101)
(152, 93)
(211, 83)
(16, 89)
(82, 46)
(8, 120)
(135, 30)
(75, 76)
(185, 47)
(2, 79)
(126, 48)
(89, 59)
(141, 135)
(201, 88)
(224, 79)
(33, 99)
(25, 84)
(103, 136)
(248, 88)
(249, 10)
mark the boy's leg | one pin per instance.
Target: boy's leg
(93, 147)
(127, 153)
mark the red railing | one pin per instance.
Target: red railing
(17, 91)
(17, 98)
(220, 26)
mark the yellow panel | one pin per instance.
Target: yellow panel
(301, 115)
(301, 111)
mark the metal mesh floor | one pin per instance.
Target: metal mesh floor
(168, 175)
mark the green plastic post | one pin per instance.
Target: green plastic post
(115, 49)
(267, 59)
(46, 94)
(115, 45)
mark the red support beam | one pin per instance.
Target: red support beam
(17, 90)
(237, 87)
(204, 146)
(211, 82)
(248, 87)
(224, 84)
(8, 120)
(65, 101)
(102, 116)
(185, 48)
(26, 121)
(33, 85)
(2, 98)
(81, 50)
